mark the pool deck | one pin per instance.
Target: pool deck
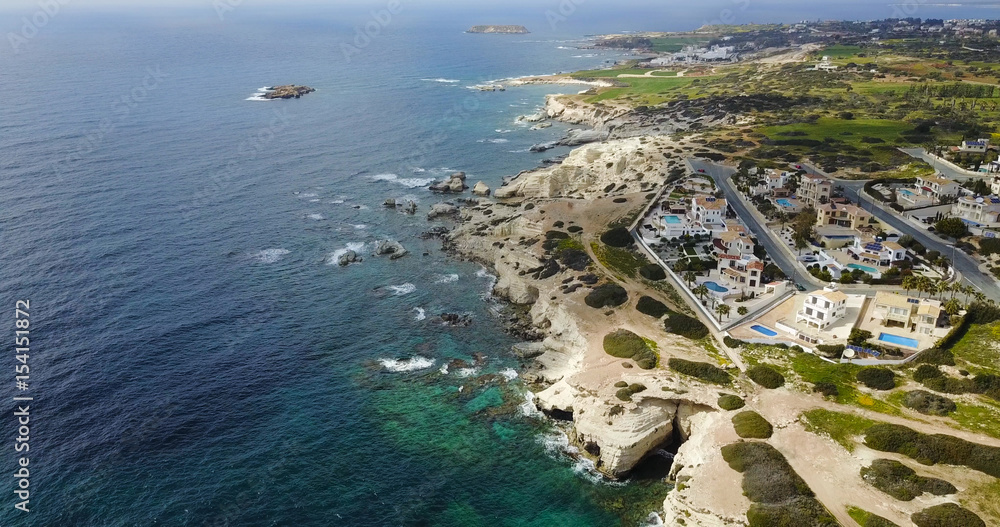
(785, 313)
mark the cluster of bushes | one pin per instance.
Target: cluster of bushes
(685, 326)
(931, 449)
(618, 237)
(935, 379)
(779, 495)
(902, 482)
(867, 519)
(626, 390)
(731, 402)
(877, 378)
(606, 295)
(700, 370)
(652, 307)
(652, 272)
(947, 515)
(928, 403)
(627, 345)
(766, 376)
(575, 259)
(826, 388)
(751, 425)
(733, 343)
(831, 351)
(938, 356)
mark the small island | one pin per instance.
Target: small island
(517, 30)
(288, 91)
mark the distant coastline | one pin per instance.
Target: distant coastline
(514, 30)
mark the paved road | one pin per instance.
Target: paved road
(722, 174)
(947, 169)
(965, 264)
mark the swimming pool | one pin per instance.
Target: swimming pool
(763, 330)
(784, 203)
(865, 268)
(899, 341)
(712, 286)
(672, 219)
(908, 192)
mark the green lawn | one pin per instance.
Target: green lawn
(675, 44)
(609, 73)
(646, 91)
(812, 370)
(842, 428)
(835, 128)
(977, 350)
(840, 52)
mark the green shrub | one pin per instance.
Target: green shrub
(606, 295)
(859, 336)
(627, 345)
(731, 402)
(877, 378)
(652, 272)
(932, 449)
(621, 384)
(732, 343)
(556, 235)
(626, 393)
(902, 482)
(826, 388)
(947, 515)
(830, 351)
(800, 511)
(652, 307)
(928, 403)
(926, 371)
(618, 237)
(766, 376)
(685, 326)
(939, 356)
(751, 425)
(700, 370)
(575, 229)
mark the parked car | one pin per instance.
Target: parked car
(702, 170)
(799, 287)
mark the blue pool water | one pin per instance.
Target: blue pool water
(763, 330)
(906, 191)
(900, 341)
(716, 287)
(785, 203)
(865, 268)
(672, 219)
(970, 222)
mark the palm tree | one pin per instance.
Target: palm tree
(689, 277)
(742, 311)
(722, 309)
(952, 307)
(909, 282)
(701, 291)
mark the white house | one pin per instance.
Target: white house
(708, 210)
(936, 187)
(823, 308)
(734, 242)
(870, 250)
(826, 65)
(979, 209)
(974, 147)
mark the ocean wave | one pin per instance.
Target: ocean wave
(528, 408)
(406, 182)
(270, 256)
(557, 444)
(334, 257)
(421, 314)
(402, 289)
(258, 97)
(502, 131)
(447, 279)
(336, 202)
(445, 81)
(491, 278)
(509, 374)
(359, 226)
(466, 372)
(317, 217)
(444, 369)
(411, 364)
(307, 195)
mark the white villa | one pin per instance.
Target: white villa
(919, 315)
(823, 308)
(734, 241)
(814, 190)
(978, 209)
(826, 64)
(743, 274)
(870, 250)
(974, 147)
(708, 210)
(936, 187)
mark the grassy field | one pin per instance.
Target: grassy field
(849, 131)
(586, 74)
(980, 418)
(982, 498)
(842, 428)
(812, 370)
(675, 44)
(977, 350)
(648, 91)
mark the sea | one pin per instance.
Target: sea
(197, 357)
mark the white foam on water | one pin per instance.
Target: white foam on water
(421, 314)
(653, 520)
(258, 97)
(336, 202)
(502, 131)
(314, 201)
(444, 369)
(528, 408)
(446, 81)
(334, 257)
(360, 226)
(402, 289)
(317, 217)
(466, 372)
(483, 273)
(308, 195)
(509, 374)
(270, 256)
(412, 182)
(557, 444)
(447, 279)
(411, 364)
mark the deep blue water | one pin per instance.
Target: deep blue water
(196, 360)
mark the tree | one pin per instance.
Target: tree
(952, 307)
(722, 310)
(742, 311)
(802, 227)
(909, 282)
(701, 291)
(952, 227)
(689, 277)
